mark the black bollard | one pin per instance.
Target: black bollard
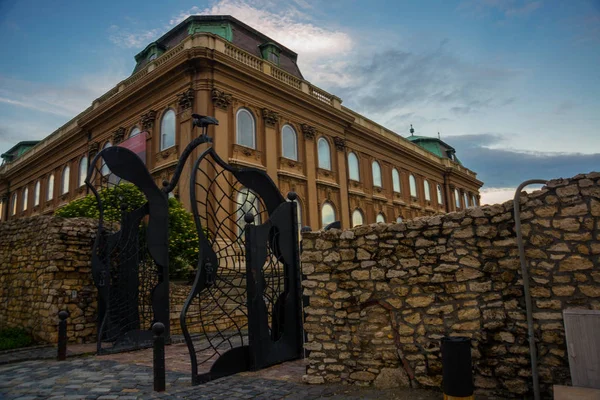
(159, 357)
(457, 368)
(62, 335)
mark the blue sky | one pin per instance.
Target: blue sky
(514, 85)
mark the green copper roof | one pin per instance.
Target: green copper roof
(434, 145)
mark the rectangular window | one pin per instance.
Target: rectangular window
(274, 58)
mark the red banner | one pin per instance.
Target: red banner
(137, 144)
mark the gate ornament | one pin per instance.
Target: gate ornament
(130, 262)
(243, 311)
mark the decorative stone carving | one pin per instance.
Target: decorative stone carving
(148, 119)
(163, 155)
(93, 148)
(308, 131)
(270, 117)
(186, 99)
(118, 135)
(340, 143)
(221, 99)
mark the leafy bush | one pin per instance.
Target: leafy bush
(183, 238)
(14, 338)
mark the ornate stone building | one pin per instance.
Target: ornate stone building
(342, 165)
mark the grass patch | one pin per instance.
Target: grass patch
(14, 338)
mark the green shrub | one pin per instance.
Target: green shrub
(183, 238)
(14, 338)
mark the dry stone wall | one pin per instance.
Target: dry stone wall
(45, 267)
(382, 296)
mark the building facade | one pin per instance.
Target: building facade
(342, 165)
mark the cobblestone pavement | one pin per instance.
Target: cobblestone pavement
(98, 378)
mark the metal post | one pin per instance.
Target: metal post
(457, 368)
(62, 335)
(525, 274)
(159, 357)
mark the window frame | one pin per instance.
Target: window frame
(350, 166)
(376, 184)
(440, 194)
(237, 127)
(396, 183)
(65, 183)
(426, 190)
(37, 193)
(104, 170)
(131, 131)
(295, 136)
(50, 187)
(240, 212)
(81, 178)
(162, 128)
(25, 199)
(13, 208)
(319, 160)
(412, 183)
(362, 217)
(457, 198)
(329, 204)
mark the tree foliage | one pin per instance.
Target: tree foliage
(183, 238)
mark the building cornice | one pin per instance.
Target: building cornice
(212, 47)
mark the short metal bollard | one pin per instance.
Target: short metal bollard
(159, 357)
(62, 335)
(457, 368)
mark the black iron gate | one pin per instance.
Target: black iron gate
(244, 310)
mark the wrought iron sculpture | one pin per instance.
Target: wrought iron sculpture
(130, 262)
(243, 312)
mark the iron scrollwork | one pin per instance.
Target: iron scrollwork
(130, 262)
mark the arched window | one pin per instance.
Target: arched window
(426, 188)
(105, 170)
(376, 174)
(25, 198)
(289, 143)
(50, 188)
(396, 180)
(14, 204)
(36, 193)
(353, 168)
(380, 218)
(324, 154)
(413, 185)
(167, 130)
(399, 219)
(357, 218)
(466, 198)
(327, 214)
(66, 175)
(135, 131)
(83, 168)
(440, 199)
(246, 128)
(474, 201)
(457, 198)
(246, 202)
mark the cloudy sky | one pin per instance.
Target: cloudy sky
(513, 85)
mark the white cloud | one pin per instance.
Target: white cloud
(501, 195)
(321, 50)
(128, 39)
